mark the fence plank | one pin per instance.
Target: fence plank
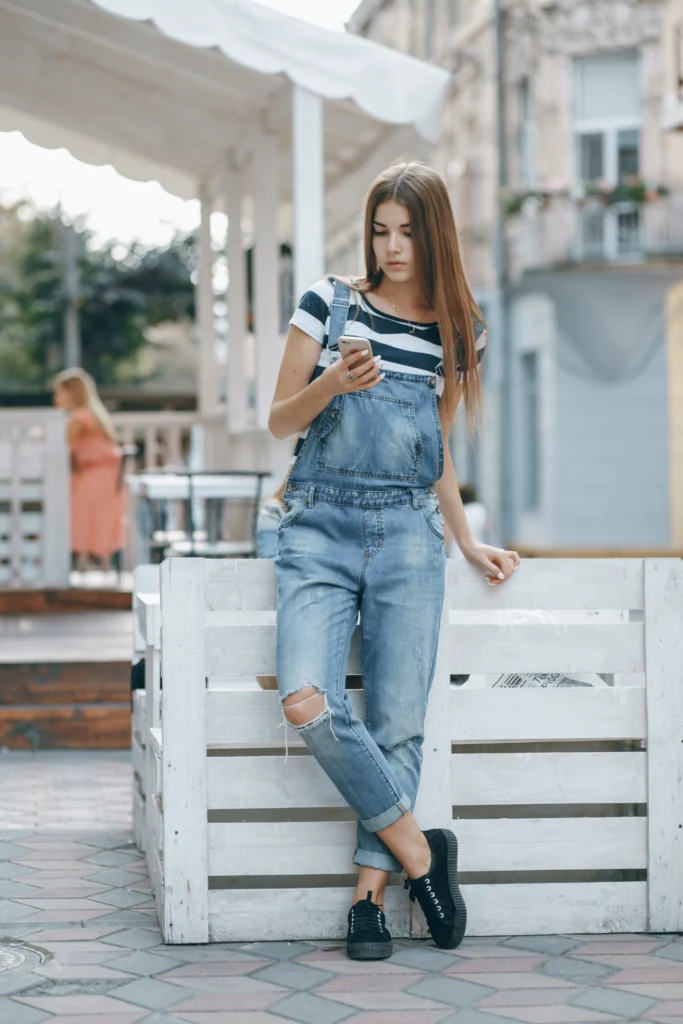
(554, 778)
(664, 667)
(539, 647)
(253, 718)
(153, 850)
(262, 783)
(245, 719)
(433, 804)
(525, 909)
(239, 650)
(500, 844)
(235, 584)
(497, 715)
(552, 584)
(184, 751)
(290, 914)
(556, 908)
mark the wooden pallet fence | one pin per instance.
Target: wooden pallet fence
(567, 802)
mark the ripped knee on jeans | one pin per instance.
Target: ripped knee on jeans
(305, 707)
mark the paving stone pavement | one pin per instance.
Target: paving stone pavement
(76, 901)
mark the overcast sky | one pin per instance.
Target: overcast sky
(116, 207)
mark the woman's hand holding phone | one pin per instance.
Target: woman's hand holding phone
(357, 372)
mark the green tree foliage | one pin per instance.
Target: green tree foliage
(121, 293)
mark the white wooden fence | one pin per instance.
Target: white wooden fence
(243, 844)
(145, 635)
(35, 541)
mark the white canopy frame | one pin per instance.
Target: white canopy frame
(229, 101)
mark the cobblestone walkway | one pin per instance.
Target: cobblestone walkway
(83, 947)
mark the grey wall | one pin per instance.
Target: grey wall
(611, 458)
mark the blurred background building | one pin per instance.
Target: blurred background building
(558, 141)
(560, 138)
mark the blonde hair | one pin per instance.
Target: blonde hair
(438, 264)
(80, 386)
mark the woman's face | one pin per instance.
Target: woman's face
(392, 241)
(62, 398)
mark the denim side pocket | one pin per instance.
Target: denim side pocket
(435, 520)
(297, 507)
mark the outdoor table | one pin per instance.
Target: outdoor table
(214, 487)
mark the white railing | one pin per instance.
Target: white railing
(162, 438)
(35, 536)
(565, 233)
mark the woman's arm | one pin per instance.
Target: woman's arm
(498, 565)
(297, 402)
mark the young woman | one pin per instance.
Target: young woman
(97, 497)
(370, 486)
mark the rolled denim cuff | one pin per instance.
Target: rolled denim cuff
(372, 859)
(387, 818)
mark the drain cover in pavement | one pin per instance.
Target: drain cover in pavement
(14, 954)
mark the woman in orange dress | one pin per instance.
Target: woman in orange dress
(97, 494)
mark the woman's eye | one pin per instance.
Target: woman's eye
(380, 234)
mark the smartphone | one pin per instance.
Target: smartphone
(349, 344)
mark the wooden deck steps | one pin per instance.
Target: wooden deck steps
(70, 599)
(65, 680)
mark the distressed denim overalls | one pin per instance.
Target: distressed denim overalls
(363, 533)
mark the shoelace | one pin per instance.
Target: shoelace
(432, 895)
(366, 914)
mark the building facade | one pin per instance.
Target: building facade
(557, 138)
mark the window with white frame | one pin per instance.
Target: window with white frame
(607, 121)
(607, 117)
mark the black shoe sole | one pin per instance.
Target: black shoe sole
(369, 950)
(460, 923)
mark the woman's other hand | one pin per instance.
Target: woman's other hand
(497, 564)
(358, 372)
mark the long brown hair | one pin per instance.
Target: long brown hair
(438, 266)
(81, 387)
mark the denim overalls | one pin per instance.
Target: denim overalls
(362, 532)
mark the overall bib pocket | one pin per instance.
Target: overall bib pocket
(371, 436)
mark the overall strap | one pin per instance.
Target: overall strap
(339, 311)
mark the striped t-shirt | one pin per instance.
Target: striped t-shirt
(405, 346)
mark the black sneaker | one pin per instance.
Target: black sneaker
(437, 892)
(367, 937)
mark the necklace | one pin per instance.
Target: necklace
(414, 326)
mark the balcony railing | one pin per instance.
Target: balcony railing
(155, 439)
(564, 233)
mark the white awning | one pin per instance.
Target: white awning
(165, 89)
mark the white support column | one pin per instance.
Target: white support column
(308, 188)
(207, 382)
(237, 305)
(266, 284)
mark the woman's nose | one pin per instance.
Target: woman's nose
(394, 243)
